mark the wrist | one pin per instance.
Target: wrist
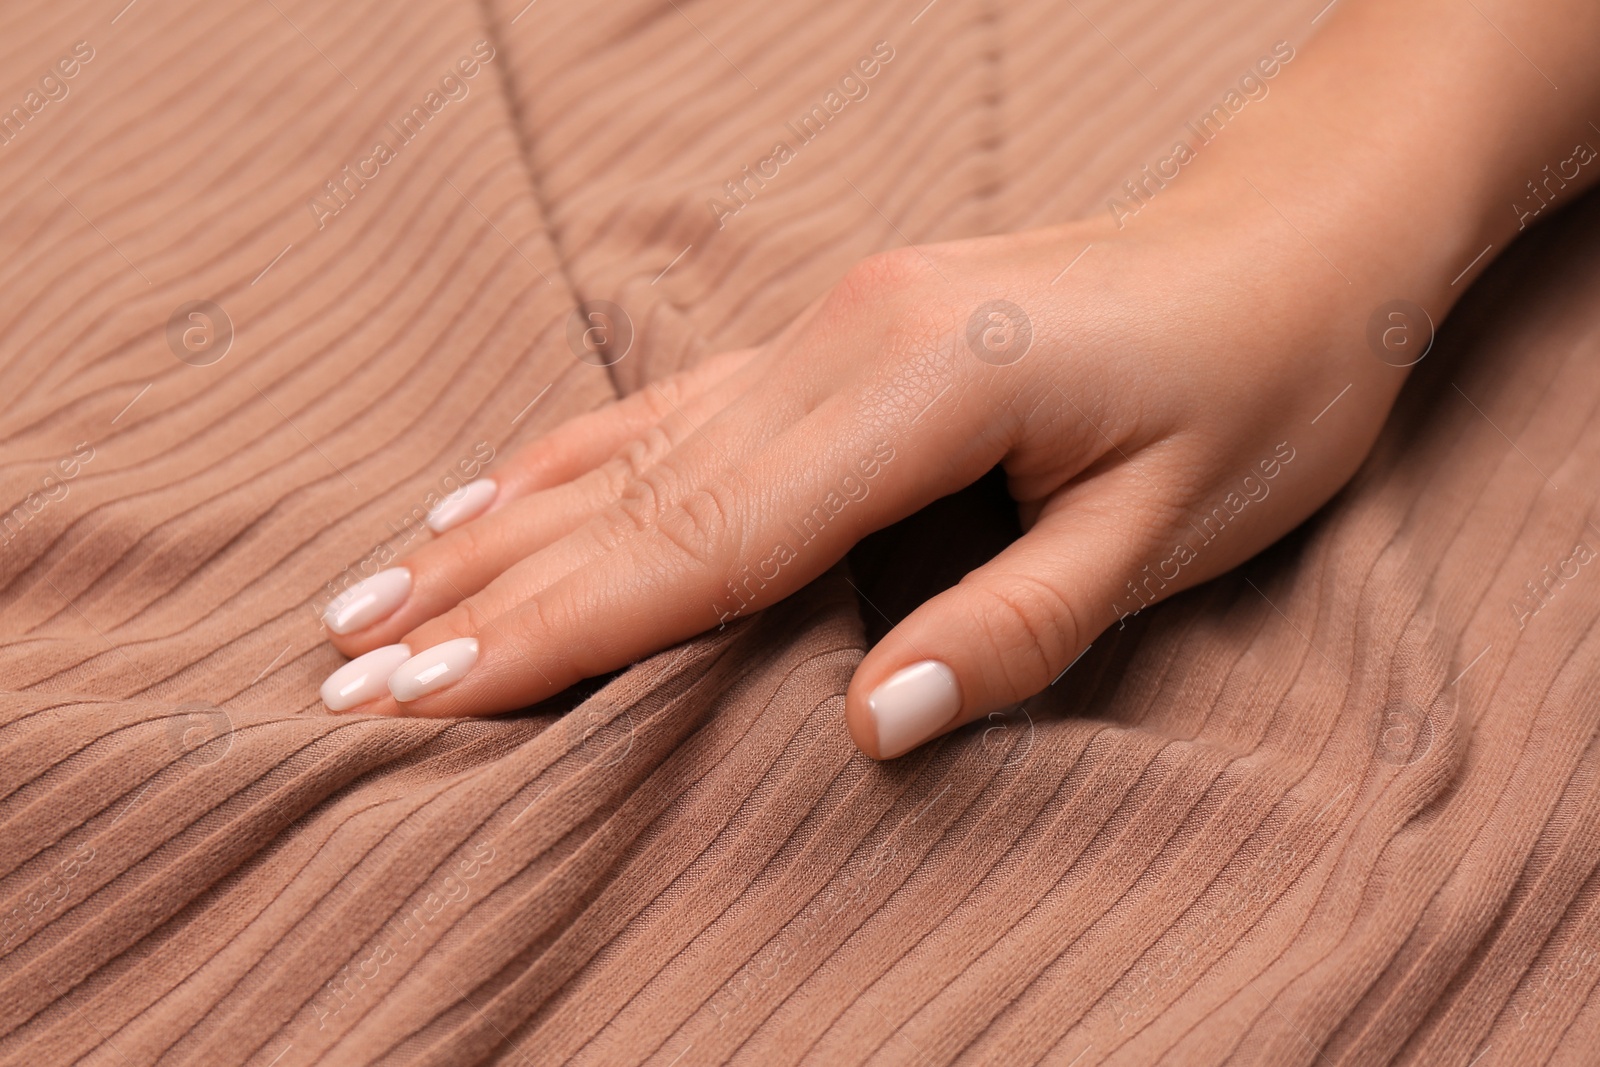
(1405, 176)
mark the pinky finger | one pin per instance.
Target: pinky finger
(584, 442)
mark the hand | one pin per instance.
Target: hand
(1191, 388)
(1152, 408)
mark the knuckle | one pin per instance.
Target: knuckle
(702, 527)
(632, 514)
(466, 618)
(533, 621)
(547, 620)
(647, 450)
(615, 474)
(644, 499)
(885, 278)
(637, 460)
(465, 549)
(1031, 628)
(463, 620)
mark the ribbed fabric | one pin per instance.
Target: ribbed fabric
(1337, 807)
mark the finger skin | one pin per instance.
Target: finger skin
(1099, 552)
(701, 545)
(588, 604)
(464, 561)
(1010, 626)
(586, 441)
(723, 551)
(1322, 193)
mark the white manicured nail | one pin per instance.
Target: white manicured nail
(914, 704)
(363, 678)
(368, 601)
(433, 668)
(465, 503)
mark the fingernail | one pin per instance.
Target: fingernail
(465, 503)
(363, 678)
(433, 668)
(914, 704)
(367, 601)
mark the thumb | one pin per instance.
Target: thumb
(1010, 627)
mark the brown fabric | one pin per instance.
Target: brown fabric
(1338, 807)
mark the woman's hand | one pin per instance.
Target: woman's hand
(1166, 396)
(1156, 396)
